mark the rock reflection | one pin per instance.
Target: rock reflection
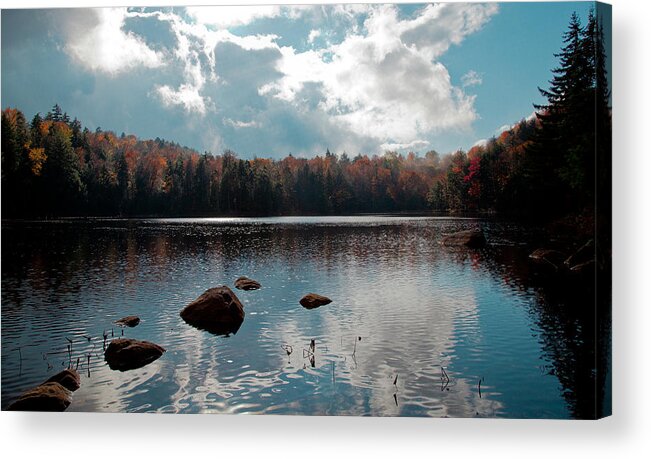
(422, 311)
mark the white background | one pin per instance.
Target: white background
(626, 434)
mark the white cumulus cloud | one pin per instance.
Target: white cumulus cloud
(186, 96)
(441, 25)
(195, 54)
(413, 145)
(230, 16)
(100, 44)
(386, 83)
(373, 76)
(313, 35)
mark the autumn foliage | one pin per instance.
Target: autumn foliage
(53, 166)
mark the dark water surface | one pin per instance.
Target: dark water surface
(467, 332)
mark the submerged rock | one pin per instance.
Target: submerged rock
(217, 310)
(49, 396)
(473, 238)
(68, 378)
(128, 354)
(128, 321)
(312, 300)
(244, 283)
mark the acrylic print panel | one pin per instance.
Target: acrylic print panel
(352, 209)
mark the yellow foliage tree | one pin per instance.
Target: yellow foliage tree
(37, 158)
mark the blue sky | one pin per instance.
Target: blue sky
(269, 80)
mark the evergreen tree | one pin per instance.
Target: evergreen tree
(56, 114)
(16, 165)
(559, 170)
(123, 183)
(63, 187)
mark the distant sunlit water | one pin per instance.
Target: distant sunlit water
(414, 329)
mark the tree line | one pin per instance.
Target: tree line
(53, 166)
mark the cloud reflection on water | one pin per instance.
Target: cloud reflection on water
(416, 306)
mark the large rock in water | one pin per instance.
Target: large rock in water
(68, 378)
(49, 396)
(244, 283)
(312, 300)
(128, 354)
(128, 321)
(473, 238)
(217, 310)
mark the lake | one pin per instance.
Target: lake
(414, 329)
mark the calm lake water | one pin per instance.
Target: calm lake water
(468, 333)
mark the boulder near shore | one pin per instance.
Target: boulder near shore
(244, 283)
(128, 354)
(472, 238)
(55, 394)
(128, 321)
(49, 396)
(68, 378)
(312, 300)
(217, 310)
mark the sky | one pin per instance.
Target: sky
(270, 80)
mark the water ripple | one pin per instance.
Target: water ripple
(412, 329)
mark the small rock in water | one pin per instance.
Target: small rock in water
(217, 310)
(128, 321)
(244, 283)
(473, 238)
(68, 378)
(49, 396)
(312, 300)
(128, 354)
